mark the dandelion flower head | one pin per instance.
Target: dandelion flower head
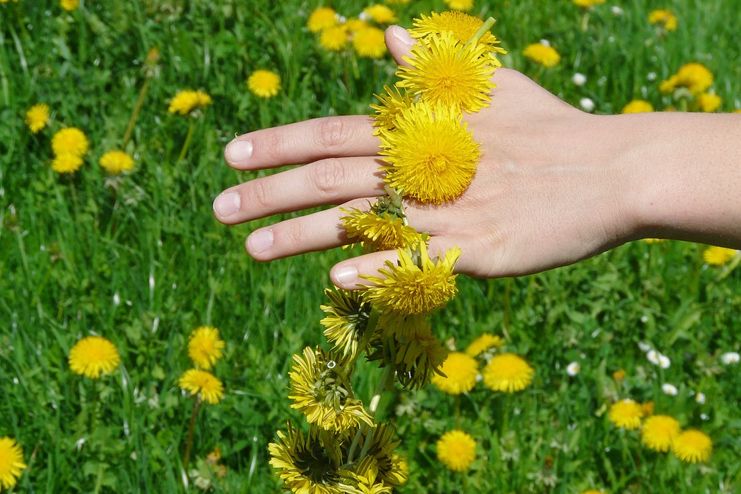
(346, 320)
(205, 347)
(461, 25)
(626, 414)
(638, 106)
(264, 83)
(380, 14)
(588, 3)
(369, 42)
(66, 163)
(709, 102)
(70, 140)
(379, 231)
(389, 107)
(303, 464)
(334, 38)
(456, 450)
(717, 256)
(11, 462)
(508, 373)
(459, 4)
(94, 356)
(115, 162)
(693, 76)
(460, 371)
(692, 446)
(187, 100)
(37, 117)
(69, 5)
(483, 343)
(665, 18)
(659, 431)
(322, 18)
(203, 384)
(546, 56)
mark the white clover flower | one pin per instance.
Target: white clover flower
(664, 361)
(653, 357)
(669, 389)
(730, 358)
(573, 369)
(578, 79)
(651, 76)
(586, 104)
(644, 346)
(700, 398)
(616, 10)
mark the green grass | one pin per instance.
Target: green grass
(72, 245)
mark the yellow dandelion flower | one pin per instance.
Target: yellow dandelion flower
(592, 491)
(264, 83)
(459, 4)
(665, 18)
(70, 140)
(588, 3)
(203, 384)
(69, 5)
(322, 392)
(354, 25)
(444, 71)
(389, 107)
(692, 446)
(638, 106)
(462, 26)
(717, 256)
(411, 288)
(619, 375)
(508, 373)
(709, 102)
(94, 356)
(418, 355)
(322, 18)
(460, 371)
(11, 462)
(431, 156)
(456, 450)
(66, 163)
(334, 38)
(483, 343)
(379, 231)
(346, 320)
(365, 478)
(693, 76)
(369, 42)
(659, 431)
(380, 14)
(626, 414)
(205, 347)
(187, 100)
(546, 56)
(37, 117)
(116, 161)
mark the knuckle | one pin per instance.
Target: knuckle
(332, 132)
(328, 176)
(260, 194)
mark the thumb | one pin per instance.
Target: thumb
(399, 43)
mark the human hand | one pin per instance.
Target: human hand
(546, 193)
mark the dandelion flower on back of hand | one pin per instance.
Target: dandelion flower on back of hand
(626, 414)
(11, 462)
(638, 106)
(115, 162)
(456, 450)
(692, 446)
(70, 140)
(369, 42)
(66, 163)
(717, 256)
(202, 383)
(264, 83)
(460, 374)
(483, 343)
(508, 373)
(379, 231)
(37, 117)
(546, 56)
(93, 356)
(205, 347)
(659, 431)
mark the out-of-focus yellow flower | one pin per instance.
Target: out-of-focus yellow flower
(11, 462)
(626, 414)
(116, 161)
(456, 450)
(664, 17)
(369, 42)
(647, 408)
(483, 343)
(69, 5)
(70, 140)
(354, 25)
(460, 374)
(66, 163)
(638, 106)
(93, 356)
(588, 3)
(322, 18)
(37, 117)
(717, 256)
(334, 38)
(709, 102)
(459, 4)
(508, 373)
(619, 375)
(264, 83)
(203, 384)
(692, 446)
(380, 14)
(546, 56)
(659, 431)
(205, 347)
(186, 101)
(694, 76)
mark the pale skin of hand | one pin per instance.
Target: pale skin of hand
(554, 185)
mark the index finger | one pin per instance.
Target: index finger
(303, 142)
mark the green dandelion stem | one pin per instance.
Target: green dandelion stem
(136, 111)
(191, 429)
(488, 23)
(188, 140)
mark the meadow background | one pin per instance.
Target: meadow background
(140, 260)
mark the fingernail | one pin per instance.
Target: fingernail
(238, 151)
(260, 241)
(402, 36)
(346, 276)
(227, 204)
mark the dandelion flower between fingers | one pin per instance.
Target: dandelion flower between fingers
(409, 288)
(115, 162)
(626, 414)
(70, 140)
(389, 107)
(460, 371)
(205, 347)
(659, 431)
(442, 70)
(431, 156)
(546, 56)
(461, 25)
(456, 450)
(483, 343)
(11, 462)
(264, 83)
(718, 256)
(321, 18)
(638, 106)
(379, 231)
(692, 446)
(66, 163)
(508, 373)
(94, 356)
(369, 42)
(37, 117)
(203, 384)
